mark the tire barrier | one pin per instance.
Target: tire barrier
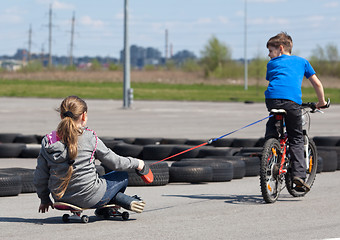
(10, 184)
(11, 150)
(160, 173)
(26, 175)
(223, 160)
(331, 149)
(330, 141)
(147, 141)
(222, 170)
(330, 160)
(191, 174)
(128, 150)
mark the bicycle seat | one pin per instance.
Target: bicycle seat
(278, 111)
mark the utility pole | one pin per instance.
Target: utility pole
(71, 44)
(29, 43)
(166, 45)
(245, 48)
(50, 38)
(127, 90)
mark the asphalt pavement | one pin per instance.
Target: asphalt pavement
(223, 210)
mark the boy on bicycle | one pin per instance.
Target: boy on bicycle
(285, 74)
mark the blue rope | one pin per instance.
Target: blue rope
(213, 140)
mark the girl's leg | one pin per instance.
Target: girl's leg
(116, 182)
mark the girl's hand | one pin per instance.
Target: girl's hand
(140, 165)
(44, 207)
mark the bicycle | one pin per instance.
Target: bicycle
(275, 165)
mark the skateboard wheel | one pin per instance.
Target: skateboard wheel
(84, 219)
(66, 218)
(125, 216)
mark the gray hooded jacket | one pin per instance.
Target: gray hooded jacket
(86, 188)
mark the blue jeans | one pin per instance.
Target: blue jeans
(116, 182)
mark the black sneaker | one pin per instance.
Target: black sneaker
(300, 185)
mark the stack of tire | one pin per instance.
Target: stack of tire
(14, 181)
(328, 148)
(222, 161)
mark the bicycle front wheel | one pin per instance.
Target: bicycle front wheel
(269, 170)
(310, 171)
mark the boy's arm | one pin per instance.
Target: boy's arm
(318, 90)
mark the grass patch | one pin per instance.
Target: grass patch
(144, 91)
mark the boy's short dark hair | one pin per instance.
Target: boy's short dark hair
(281, 39)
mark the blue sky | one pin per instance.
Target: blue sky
(190, 24)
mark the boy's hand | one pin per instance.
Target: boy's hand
(44, 207)
(323, 104)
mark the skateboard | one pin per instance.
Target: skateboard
(110, 211)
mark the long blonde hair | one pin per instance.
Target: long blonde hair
(71, 109)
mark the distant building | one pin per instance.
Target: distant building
(182, 56)
(140, 56)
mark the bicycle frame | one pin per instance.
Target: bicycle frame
(283, 139)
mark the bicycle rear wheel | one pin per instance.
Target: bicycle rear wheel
(269, 170)
(310, 171)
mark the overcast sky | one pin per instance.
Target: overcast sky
(190, 24)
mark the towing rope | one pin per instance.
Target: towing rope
(211, 140)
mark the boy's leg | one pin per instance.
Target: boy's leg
(296, 140)
(271, 131)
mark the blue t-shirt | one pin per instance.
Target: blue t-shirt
(285, 74)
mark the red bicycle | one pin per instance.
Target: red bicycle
(275, 166)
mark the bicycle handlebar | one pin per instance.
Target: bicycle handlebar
(312, 105)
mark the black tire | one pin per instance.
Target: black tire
(311, 171)
(110, 142)
(195, 142)
(128, 150)
(126, 140)
(157, 152)
(147, 141)
(320, 165)
(223, 142)
(174, 141)
(222, 171)
(244, 142)
(160, 173)
(330, 160)
(10, 184)
(327, 141)
(26, 175)
(30, 151)
(191, 174)
(334, 148)
(11, 150)
(26, 139)
(250, 152)
(8, 137)
(125, 216)
(252, 166)
(212, 151)
(66, 218)
(239, 166)
(270, 185)
(180, 148)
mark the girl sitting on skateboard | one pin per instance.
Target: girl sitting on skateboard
(66, 168)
